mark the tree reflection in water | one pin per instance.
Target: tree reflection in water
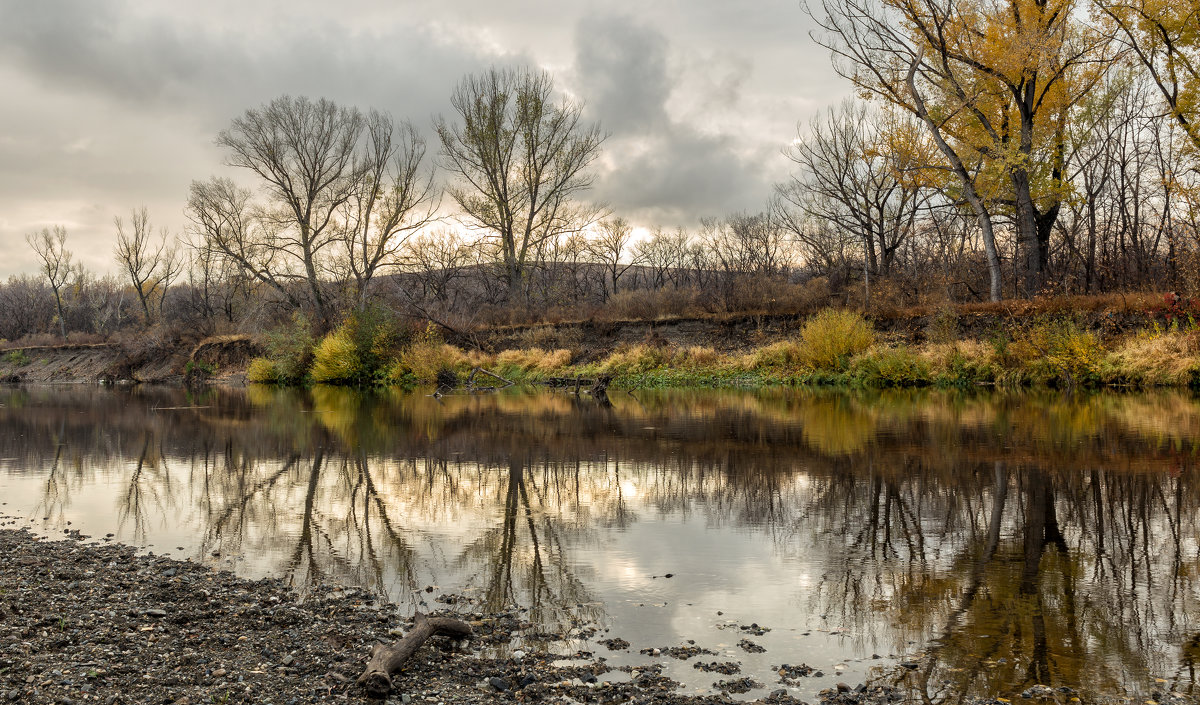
(1019, 539)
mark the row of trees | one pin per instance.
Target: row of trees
(1018, 112)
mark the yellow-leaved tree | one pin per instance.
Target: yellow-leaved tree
(994, 82)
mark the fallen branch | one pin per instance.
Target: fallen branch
(387, 659)
(477, 370)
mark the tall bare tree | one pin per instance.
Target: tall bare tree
(521, 158)
(392, 199)
(305, 153)
(149, 263)
(51, 248)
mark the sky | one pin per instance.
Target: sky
(110, 105)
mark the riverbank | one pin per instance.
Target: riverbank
(99, 622)
(1055, 344)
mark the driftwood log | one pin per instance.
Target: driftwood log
(386, 659)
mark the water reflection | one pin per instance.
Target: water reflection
(1016, 539)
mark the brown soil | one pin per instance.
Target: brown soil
(226, 356)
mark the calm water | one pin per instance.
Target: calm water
(1014, 539)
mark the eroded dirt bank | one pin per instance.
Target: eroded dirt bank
(219, 359)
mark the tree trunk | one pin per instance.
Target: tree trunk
(1033, 277)
(387, 659)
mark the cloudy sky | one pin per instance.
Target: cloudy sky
(112, 104)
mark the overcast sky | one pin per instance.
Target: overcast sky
(112, 104)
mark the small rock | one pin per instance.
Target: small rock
(288, 660)
(157, 614)
(499, 684)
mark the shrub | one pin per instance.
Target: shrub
(17, 358)
(426, 356)
(1057, 352)
(336, 360)
(890, 367)
(1155, 358)
(943, 326)
(699, 356)
(634, 359)
(263, 371)
(290, 350)
(831, 337)
(521, 362)
(785, 354)
(358, 352)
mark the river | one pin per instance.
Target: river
(991, 541)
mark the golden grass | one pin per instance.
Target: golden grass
(534, 360)
(1152, 358)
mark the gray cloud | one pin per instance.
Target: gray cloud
(115, 104)
(663, 168)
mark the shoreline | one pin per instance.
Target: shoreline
(101, 622)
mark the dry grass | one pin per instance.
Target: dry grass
(533, 360)
(1153, 359)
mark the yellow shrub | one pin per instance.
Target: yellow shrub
(1058, 350)
(785, 354)
(425, 358)
(699, 356)
(638, 358)
(262, 371)
(830, 338)
(335, 359)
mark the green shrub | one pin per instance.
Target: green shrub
(831, 337)
(290, 350)
(16, 358)
(890, 367)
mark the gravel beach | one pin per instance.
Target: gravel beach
(88, 622)
(84, 621)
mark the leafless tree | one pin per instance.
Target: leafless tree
(150, 264)
(608, 246)
(51, 248)
(305, 153)
(393, 198)
(521, 159)
(851, 179)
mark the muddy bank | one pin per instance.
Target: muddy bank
(219, 359)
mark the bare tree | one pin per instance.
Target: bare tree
(608, 246)
(305, 153)
(392, 199)
(521, 159)
(150, 264)
(852, 177)
(51, 248)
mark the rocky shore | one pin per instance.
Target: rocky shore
(96, 622)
